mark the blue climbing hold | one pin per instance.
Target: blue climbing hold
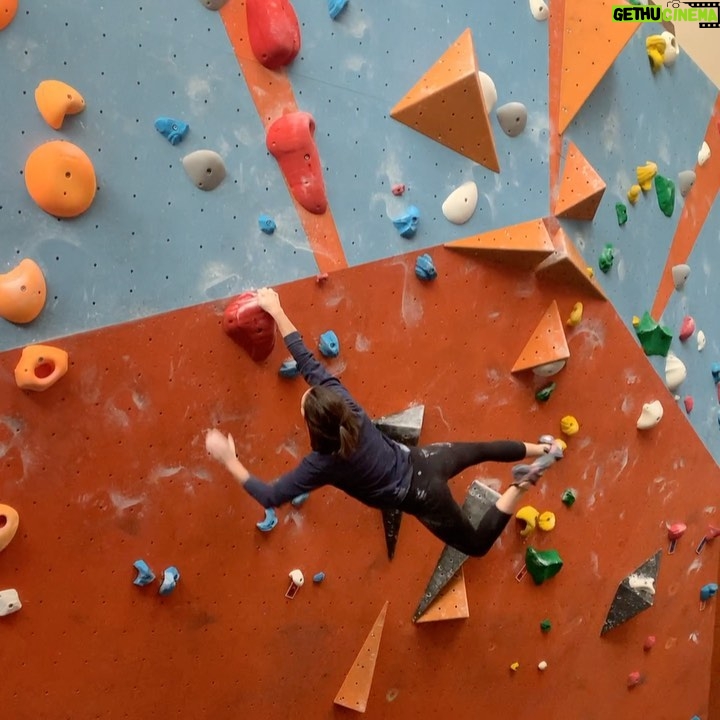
(335, 7)
(269, 522)
(329, 344)
(407, 224)
(715, 370)
(707, 591)
(289, 369)
(300, 499)
(425, 268)
(173, 130)
(318, 577)
(145, 575)
(171, 576)
(267, 224)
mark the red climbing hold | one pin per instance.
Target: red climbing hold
(250, 326)
(273, 31)
(689, 403)
(634, 679)
(649, 643)
(290, 141)
(687, 328)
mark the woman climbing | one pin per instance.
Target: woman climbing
(350, 453)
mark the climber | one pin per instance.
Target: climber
(350, 453)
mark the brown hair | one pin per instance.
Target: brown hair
(332, 426)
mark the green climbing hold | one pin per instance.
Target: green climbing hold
(542, 564)
(545, 625)
(544, 393)
(568, 497)
(665, 191)
(621, 212)
(654, 338)
(607, 256)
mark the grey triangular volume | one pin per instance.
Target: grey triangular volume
(634, 594)
(477, 502)
(403, 427)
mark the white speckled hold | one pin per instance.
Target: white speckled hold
(675, 371)
(512, 118)
(703, 153)
(672, 49)
(701, 340)
(686, 179)
(205, 168)
(460, 204)
(680, 274)
(650, 416)
(539, 10)
(488, 90)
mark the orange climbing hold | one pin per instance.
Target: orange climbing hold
(56, 99)
(523, 245)
(547, 344)
(8, 10)
(9, 521)
(22, 292)
(355, 690)
(567, 268)
(447, 105)
(581, 188)
(40, 367)
(60, 178)
(451, 604)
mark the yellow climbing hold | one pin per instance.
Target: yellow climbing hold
(633, 194)
(635, 321)
(527, 519)
(655, 46)
(546, 521)
(575, 315)
(561, 444)
(645, 174)
(590, 272)
(569, 425)
(515, 666)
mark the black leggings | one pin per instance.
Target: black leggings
(431, 502)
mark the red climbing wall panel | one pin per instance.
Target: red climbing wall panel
(109, 466)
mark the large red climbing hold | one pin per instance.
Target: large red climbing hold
(274, 32)
(250, 326)
(290, 141)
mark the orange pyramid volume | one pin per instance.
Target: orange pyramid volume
(581, 188)
(547, 344)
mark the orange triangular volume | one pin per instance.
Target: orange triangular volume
(547, 344)
(355, 690)
(592, 41)
(447, 105)
(567, 267)
(451, 604)
(523, 245)
(581, 188)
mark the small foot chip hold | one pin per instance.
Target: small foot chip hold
(515, 666)
(634, 679)
(205, 168)
(318, 577)
(621, 212)
(675, 531)
(9, 602)
(546, 625)
(708, 591)
(542, 665)
(701, 341)
(335, 7)
(267, 224)
(268, 522)
(171, 577)
(703, 153)
(512, 118)
(297, 580)
(710, 535)
(633, 194)
(398, 189)
(174, 131)
(407, 224)
(425, 267)
(329, 345)
(680, 274)
(649, 643)
(686, 179)
(689, 403)
(650, 416)
(144, 574)
(568, 497)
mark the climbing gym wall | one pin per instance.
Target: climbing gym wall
(442, 189)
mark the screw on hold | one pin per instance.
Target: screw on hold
(546, 625)
(318, 577)
(544, 393)
(320, 278)
(706, 592)
(398, 189)
(267, 224)
(675, 532)
(649, 643)
(268, 522)
(711, 534)
(145, 575)
(568, 497)
(634, 679)
(171, 576)
(297, 580)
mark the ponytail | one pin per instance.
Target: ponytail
(332, 426)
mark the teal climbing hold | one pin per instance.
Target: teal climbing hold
(654, 338)
(607, 257)
(425, 268)
(407, 224)
(665, 191)
(542, 564)
(329, 344)
(335, 7)
(621, 212)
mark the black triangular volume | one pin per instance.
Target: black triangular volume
(391, 523)
(403, 427)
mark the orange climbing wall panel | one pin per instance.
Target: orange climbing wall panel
(581, 188)
(108, 466)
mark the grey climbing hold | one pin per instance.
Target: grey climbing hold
(205, 168)
(680, 274)
(213, 4)
(403, 427)
(686, 179)
(634, 594)
(512, 118)
(477, 502)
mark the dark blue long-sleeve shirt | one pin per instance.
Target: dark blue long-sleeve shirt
(378, 472)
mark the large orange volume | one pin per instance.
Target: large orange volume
(60, 178)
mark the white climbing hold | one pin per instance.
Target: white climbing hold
(672, 49)
(642, 582)
(650, 416)
(701, 340)
(549, 369)
(460, 204)
(686, 179)
(539, 9)
(542, 665)
(512, 118)
(704, 153)
(9, 602)
(488, 90)
(205, 168)
(675, 371)
(680, 274)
